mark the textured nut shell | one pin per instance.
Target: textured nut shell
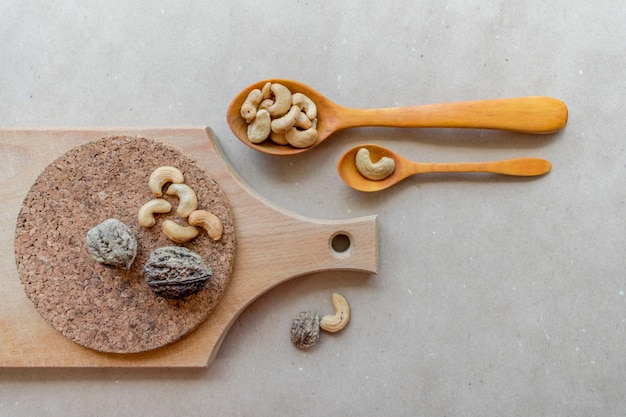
(112, 244)
(305, 330)
(176, 272)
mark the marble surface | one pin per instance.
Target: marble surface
(495, 297)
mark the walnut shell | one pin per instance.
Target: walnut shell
(112, 244)
(176, 272)
(305, 330)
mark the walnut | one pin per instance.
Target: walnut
(112, 244)
(305, 330)
(176, 272)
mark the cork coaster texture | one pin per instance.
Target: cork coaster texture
(105, 309)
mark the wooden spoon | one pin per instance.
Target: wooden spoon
(404, 168)
(535, 114)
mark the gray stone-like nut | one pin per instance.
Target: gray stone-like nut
(176, 272)
(112, 244)
(305, 330)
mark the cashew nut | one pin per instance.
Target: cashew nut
(162, 176)
(188, 201)
(303, 122)
(266, 90)
(306, 104)
(208, 221)
(286, 122)
(249, 106)
(145, 216)
(336, 322)
(378, 170)
(301, 138)
(179, 234)
(265, 103)
(282, 100)
(278, 138)
(260, 128)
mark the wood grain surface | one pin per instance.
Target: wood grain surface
(261, 261)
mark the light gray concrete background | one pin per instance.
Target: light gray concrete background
(495, 297)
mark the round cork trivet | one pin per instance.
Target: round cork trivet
(105, 309)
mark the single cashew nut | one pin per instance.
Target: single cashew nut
(260, 128)
(162, 176)
(278, 138)
(282, 100)
(306, 104)
(249, 106)
(188, 201)
(301, 138)
(303, 122)
(179, 234)
(265, 103)
(208, 221)
(145, 216)
(336, 322)
(376, 171)
(266, 91)
(283, 124)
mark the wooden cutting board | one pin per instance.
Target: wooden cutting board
(261, 261)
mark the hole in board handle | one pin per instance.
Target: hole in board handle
(341, 244)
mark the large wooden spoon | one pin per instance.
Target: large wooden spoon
(404, 168)
(535, 114)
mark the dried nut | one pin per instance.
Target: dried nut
(305, 330)
(341, 317)
(278, 138)
(249, 106)
(306, 104)
(266, 91)
(303, 122)
(112, 244)
(282, 100)
(176, 272)
(283, 124)
(179, 234)
(376, 171)
(301, 138)
(260, 128)
(188, 201)
(265, 104)
(162, 176)
(145, 216)
(208, 221)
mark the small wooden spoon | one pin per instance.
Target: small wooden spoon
(535, 114)
(524, 167)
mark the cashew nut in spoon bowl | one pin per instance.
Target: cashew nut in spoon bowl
(376, 171)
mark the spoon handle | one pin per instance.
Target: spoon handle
(535, 114)
(521, 167)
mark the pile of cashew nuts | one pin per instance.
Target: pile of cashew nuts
(286, 119)
(187, 208)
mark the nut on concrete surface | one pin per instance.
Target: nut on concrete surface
(336, 322)
(305, 330)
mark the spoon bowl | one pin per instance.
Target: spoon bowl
(524, 167)
(534, 114)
